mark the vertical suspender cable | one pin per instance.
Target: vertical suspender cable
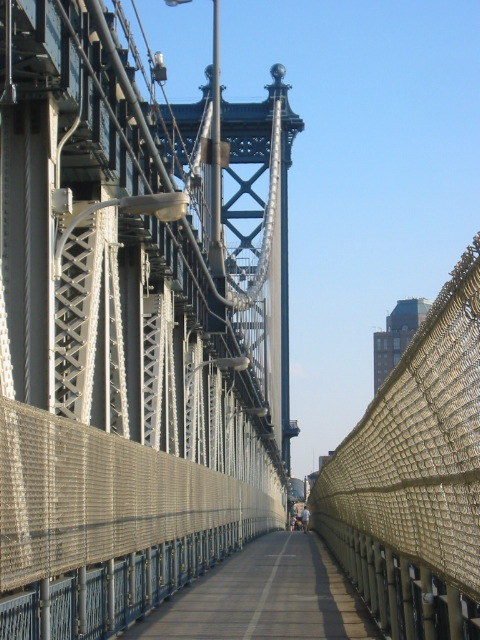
(27, 244)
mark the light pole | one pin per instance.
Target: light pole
(216, 257)
(167, 207)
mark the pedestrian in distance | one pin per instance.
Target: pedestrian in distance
(305, 519)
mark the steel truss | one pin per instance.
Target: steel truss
(195, 442)
(159, 388)
(90, 269)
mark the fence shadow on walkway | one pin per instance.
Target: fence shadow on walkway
(282, 585)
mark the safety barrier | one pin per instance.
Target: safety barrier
(407, 599)
(407, 477)
(95, 529)
(96, 603)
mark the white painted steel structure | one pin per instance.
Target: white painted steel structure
(124, 432)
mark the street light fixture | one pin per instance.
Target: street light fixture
(166, 207)
(259, 412)
(239, 363)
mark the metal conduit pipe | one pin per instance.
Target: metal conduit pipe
(72, 129)
(9, 91)
(150, 142)
(105, 36)
(66, 21)
(103, 31)
(96, 10)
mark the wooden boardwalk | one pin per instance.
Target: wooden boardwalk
(283, 585)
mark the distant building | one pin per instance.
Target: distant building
(297, 490)
(323, 459)
(389, 345)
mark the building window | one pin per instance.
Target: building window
(396, 343)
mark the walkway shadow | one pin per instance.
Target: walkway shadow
(282, 586)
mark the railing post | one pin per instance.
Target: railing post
(353, 559)
(392, 594)
(427, 604)
(382, 606)
(82, 601)
(148, 577)
(201, 550)
(111, 594)
(358, 561)
(347, 556)
(174, 580)
(45, 609)
(371, 575)
(364, 565)
(131, 579)
(407, 600)
(162, 567)
(455, 617)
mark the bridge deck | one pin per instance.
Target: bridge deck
(284, 585)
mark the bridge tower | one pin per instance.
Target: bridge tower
(246, 130)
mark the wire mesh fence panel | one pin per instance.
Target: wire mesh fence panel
(408, 474)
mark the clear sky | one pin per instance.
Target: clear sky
(384, 187)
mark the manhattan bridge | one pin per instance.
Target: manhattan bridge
(144, 358)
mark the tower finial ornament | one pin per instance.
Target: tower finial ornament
(278, 72)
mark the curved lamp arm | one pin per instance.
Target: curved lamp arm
(167, 207)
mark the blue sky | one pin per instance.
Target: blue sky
(384, 187)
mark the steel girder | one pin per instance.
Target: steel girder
(90, 269)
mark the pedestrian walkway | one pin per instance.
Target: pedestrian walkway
(283, 585)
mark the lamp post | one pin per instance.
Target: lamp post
(167, 207)
(216, 257)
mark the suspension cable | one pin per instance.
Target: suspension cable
(246, 299)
